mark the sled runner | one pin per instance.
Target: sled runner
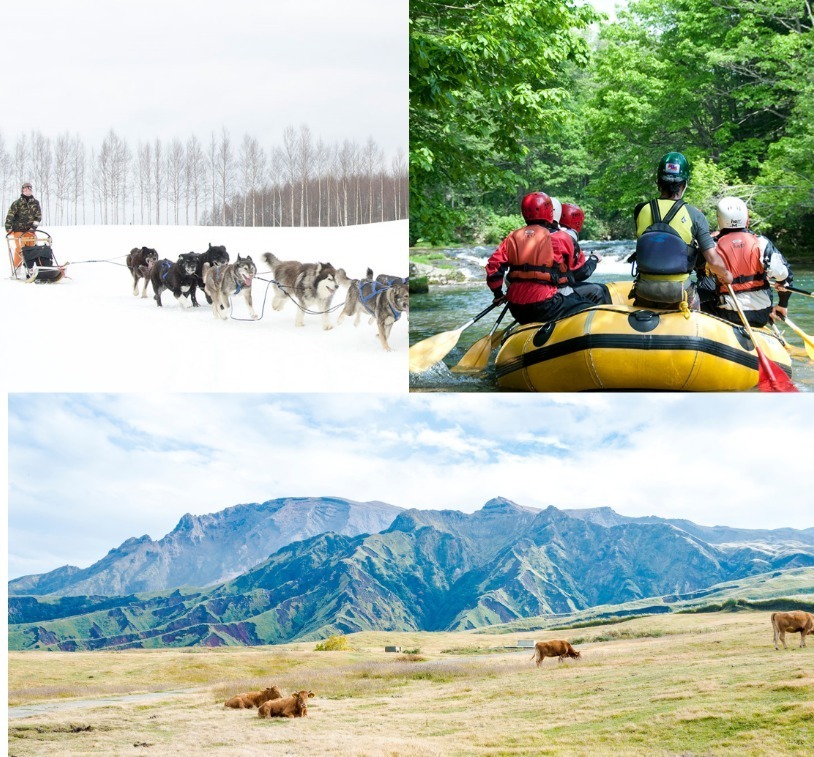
(31, 258)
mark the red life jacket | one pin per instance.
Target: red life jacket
(531, 257)
(741, 253)
(564, 243)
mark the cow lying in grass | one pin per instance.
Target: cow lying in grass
(792, 622)
(253, 698)
(295, 706)
(555, 648)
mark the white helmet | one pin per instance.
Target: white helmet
(557, 208)
(732, 213)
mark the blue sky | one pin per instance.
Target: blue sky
(170, 69)
(87, 471)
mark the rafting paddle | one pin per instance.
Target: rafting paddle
(770, 377)
(807, 340)
(798, 291)
(477, 356)
(429, 351)
(792, 349)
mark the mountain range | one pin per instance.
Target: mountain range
(207, 549)
(426, 570)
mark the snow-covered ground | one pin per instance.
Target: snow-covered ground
(88, 333)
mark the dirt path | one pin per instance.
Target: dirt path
(43, 708)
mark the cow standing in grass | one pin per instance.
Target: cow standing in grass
(792, 622)
(555, 648)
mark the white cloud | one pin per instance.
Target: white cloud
(88, 471)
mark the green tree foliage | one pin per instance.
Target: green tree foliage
(505, 98)
(724, 82)
(484, 77)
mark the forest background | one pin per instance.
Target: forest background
(219, 181)
(512, 96)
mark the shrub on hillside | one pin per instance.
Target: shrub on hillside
(333, 644)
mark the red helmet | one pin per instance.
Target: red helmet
(572, 216)
(537, 206)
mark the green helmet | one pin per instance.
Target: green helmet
(673, 169)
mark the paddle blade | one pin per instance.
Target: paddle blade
(808, 342)
(428, 352)
(476, 357)
(771, 378)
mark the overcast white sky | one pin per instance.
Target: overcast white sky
(88, 471)
(167, 69)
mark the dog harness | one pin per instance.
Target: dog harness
(219, 276)
(165, 269)
(376, 288)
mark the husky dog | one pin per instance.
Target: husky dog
(178, 277)
(310, 285)
(216, 255)
(140, 262)
(390, 304)
(385, 299)
(360, 291)
(224, 281)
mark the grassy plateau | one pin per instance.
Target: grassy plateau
(676, 684)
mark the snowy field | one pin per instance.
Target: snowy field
(88, 333)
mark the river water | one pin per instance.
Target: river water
(448, 307)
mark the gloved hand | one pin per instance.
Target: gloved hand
(500, 298)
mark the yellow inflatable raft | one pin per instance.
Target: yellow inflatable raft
(619, 347)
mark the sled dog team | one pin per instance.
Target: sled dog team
(310, 285)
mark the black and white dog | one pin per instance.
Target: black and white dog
(140, 262)
(216, 255)
(179, 277)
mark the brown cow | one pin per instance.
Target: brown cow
(295, 706)
(792, 622)
(555, 648)
(253, 699)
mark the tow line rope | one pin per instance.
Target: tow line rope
(283, 288)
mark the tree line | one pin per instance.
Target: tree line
(584, 109)
(302, 182)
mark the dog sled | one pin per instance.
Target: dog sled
(32, 259)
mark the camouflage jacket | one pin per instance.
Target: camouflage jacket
(24, 214)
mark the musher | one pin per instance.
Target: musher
(22, 220)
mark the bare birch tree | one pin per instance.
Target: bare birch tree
(144, 168)
(158, 174)
(305, 159)
(77, 177)
(225, 169)
(61, 176)
(289, 154)
(40, 167)
(196, 183)
(175, 176)
(5, 173)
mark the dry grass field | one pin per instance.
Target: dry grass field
(708, 684)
